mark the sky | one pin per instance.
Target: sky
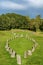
(30, 8)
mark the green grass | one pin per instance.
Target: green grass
(20, 45)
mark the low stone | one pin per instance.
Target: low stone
(7, 45)
(33, 40)
(33, 49)
(13, 54)
(10, 51)
(7, 49)
(19, 59)
(36, 44)
(29, 52)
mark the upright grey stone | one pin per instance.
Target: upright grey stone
(29, 52)
(33, 49)
(10, 51)
(18, 59)
(7, 49)
(13, 54)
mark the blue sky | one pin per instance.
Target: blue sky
(24, 7)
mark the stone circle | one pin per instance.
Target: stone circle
(13, 53)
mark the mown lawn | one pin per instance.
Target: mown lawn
(20, 45)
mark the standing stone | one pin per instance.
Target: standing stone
(13, 54)
(36, 44)
(29, 52)
(33, 49)
(10, 51)
(33, 40)
(25, 54)
(7, 49)
(19, 59)
(7, 45)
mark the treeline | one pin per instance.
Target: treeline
(14, 21)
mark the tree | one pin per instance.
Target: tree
(37, 22)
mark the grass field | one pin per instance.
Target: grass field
(20, 45)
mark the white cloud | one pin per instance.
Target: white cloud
(11, 5)
(17, 6)
(35, 3)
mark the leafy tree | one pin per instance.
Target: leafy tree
(11, 21)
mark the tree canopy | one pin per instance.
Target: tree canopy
(15, 21)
